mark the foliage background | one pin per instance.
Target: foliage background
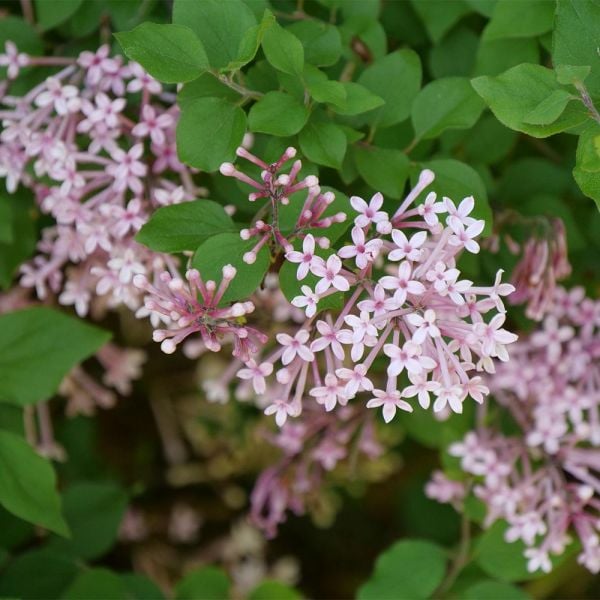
(371, 92)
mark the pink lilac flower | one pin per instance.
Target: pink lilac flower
(544, 481)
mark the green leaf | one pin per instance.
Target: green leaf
(19, 220)
(549, 109)
(208, 132)
(51, 13)
(28, 484)
(170, 53)
(96, 584)
(322, 43)
(496, 56)
(396, 78)
(358, 100)
(385, 170)
(93, 511)
(324, 143)
(184, 226)
(493, 590)
(455, 54)
(140, 587)
(209, 583)
(332, 92)
(205, 86)
(221, 26)
(410, 569)
(457, 181)
(500, 559)
(229, 248)
(283, 50)
(570, 75)
(448, 103)
(6, 227)
(270, 589)
(488, 141)
(519, 19)
(251, 42)
(30, 345)
(513, 95)
(439, 16)
(277, 113)
(587, 164)
(37, 574)
(576, 38)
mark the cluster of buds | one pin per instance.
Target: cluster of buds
(95, 143)
(193, 306)
(543, 260)
(404, 300)
(277, 188)
(545, 482)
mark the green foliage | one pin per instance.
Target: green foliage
(492, 590)
(170, 53)
(28, 484)
(32, 359)
(410, 569)
(448, 103)
(184, 226)
(278, 113)
(273, 590)
(283, 50)
(50, 14)
(208, 583)
(220, 26)
(227, 248)
(208, 132)
(93, 511)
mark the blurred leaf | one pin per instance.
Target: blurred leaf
(570, 75)
(37, 575)
(50, 13)
(270, 589)
(251, 42)
(496, 56)
(410, 569)
(229, 249)
(396, 78)
(28, 484)
(29, 345)
(448, 103)
(208, 132)
(322, 42)
(139, 587)
(184, 226)
(221, 26)
(96, 584)
(93, 511)
(455, 53)
(332, 92)
(439, 16)
(277, 113)
(208, 583)
(493, 590)
(170, 53)
(549, 109)
(488, 141)
(520, 18)
(587, 166)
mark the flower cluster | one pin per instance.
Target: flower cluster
(277, 188)
(99, 161)
(545, 482)
(405, 300)
(193, 307)
(310, 448)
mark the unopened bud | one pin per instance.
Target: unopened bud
(249, 258)
(227, 169)
(229, 272)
